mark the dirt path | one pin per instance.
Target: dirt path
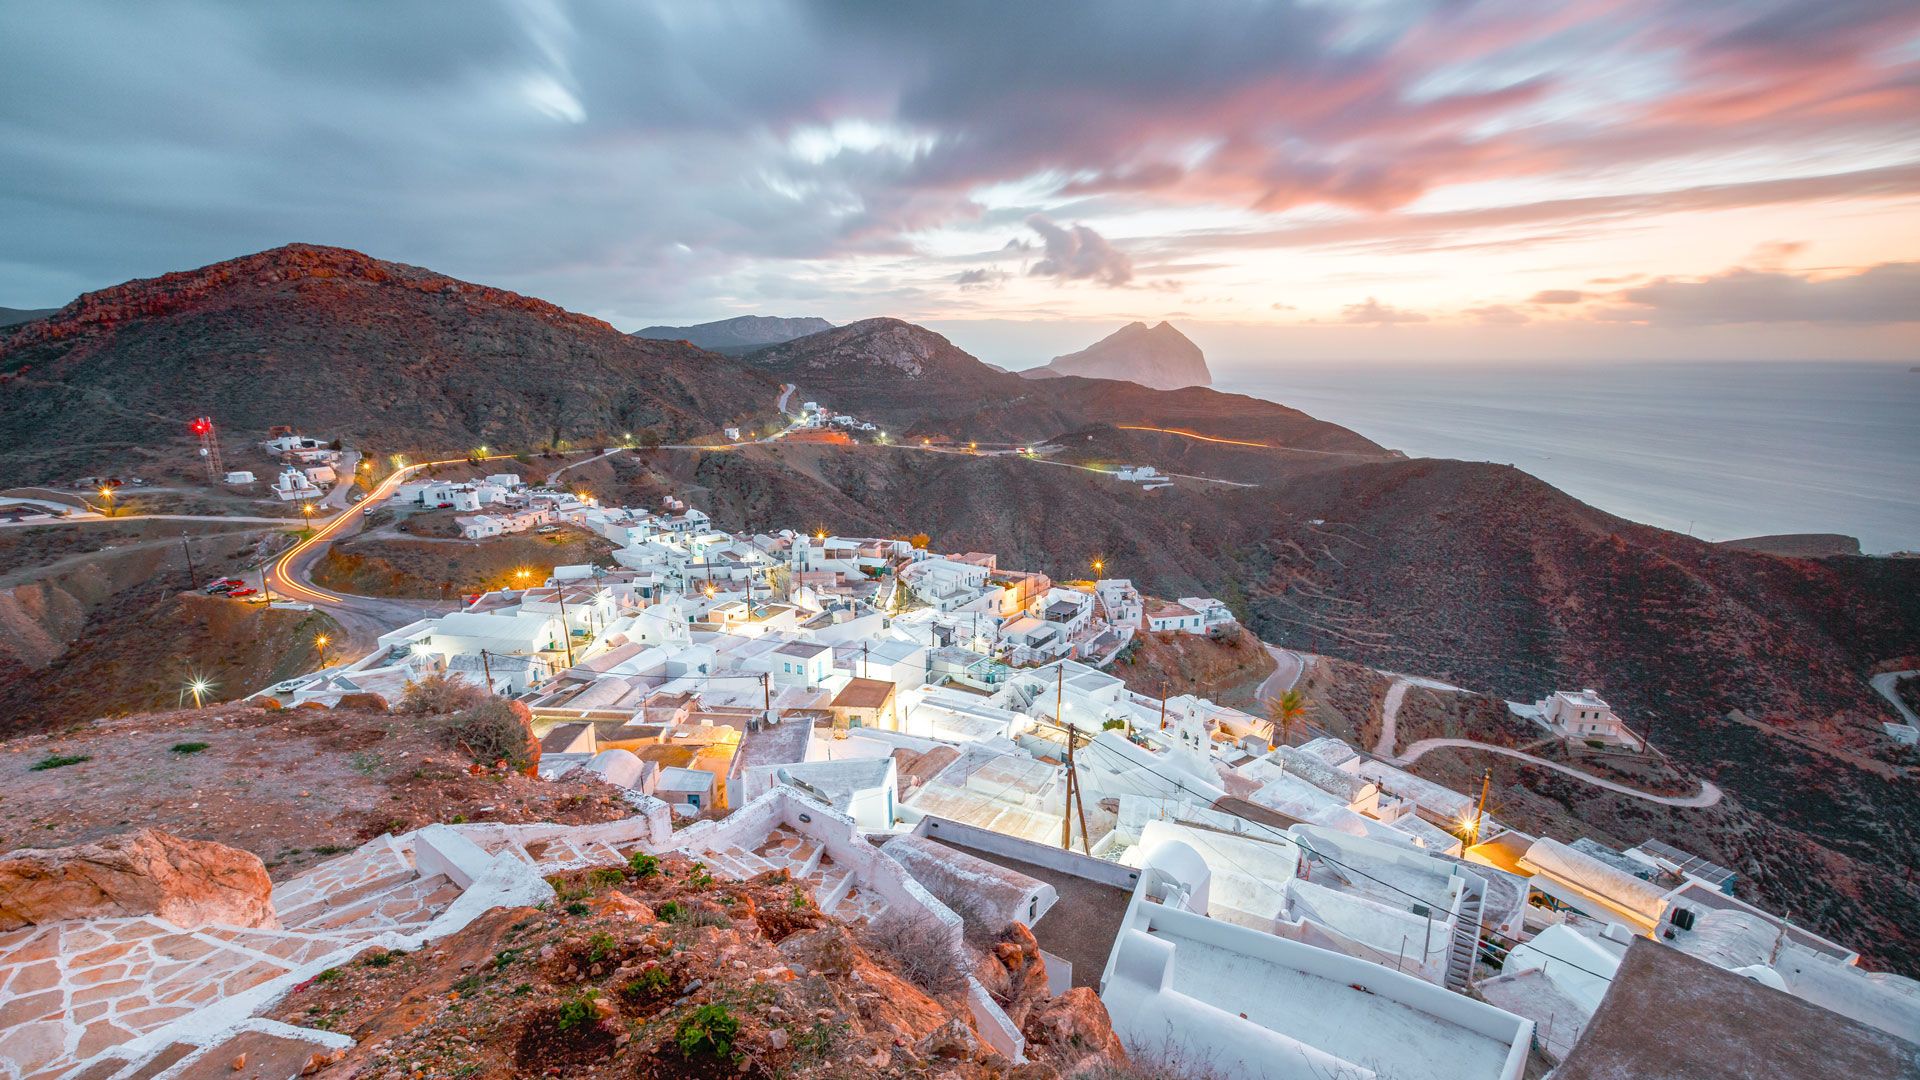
(1390, 709)
(602, 454)
(1708, 795)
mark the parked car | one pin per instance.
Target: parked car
(218, 587)
(548, 529)
(444, 506)
(237, 593)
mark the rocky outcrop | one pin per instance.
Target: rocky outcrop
(187, 882)
(1159, 357)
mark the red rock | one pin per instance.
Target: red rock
(186, 882)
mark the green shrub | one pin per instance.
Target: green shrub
(710, 1030)
(643, 864)
(577, 909)
(188, 747)
(577, 1011)
(605, 875)
(647, 985)
(58, 761)
(505, 957)
(600, 946)
(671, 911)
(381, 957)
(327, 976)
(799, 901)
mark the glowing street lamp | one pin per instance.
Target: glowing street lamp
(320, 642)
(106, 495)
(199, 687)
(1098, 565)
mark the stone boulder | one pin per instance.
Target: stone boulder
(187, 882)
(362, 702)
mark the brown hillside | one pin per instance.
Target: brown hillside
(341, 344)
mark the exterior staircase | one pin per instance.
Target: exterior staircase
(1465, 947)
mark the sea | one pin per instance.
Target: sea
(1719, 450)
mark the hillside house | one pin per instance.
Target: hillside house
(1165, 616)
(1212, 612)
(1585, 717)
(479, 526)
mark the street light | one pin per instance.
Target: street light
(106, 495)
(320, 642)
(198, 687)
(1098, 565)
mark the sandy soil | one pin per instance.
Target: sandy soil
(292, 787)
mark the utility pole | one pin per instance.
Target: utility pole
(1480, 812)
(1073, 804)
(766, 695)
(486, 669)
(192, 577)
(566, 632)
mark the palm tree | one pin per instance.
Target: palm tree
(1285, 711)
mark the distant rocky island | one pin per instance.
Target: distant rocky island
(1158, 357)
(10, 316)
(740, 334)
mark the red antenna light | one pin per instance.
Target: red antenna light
(200, 426)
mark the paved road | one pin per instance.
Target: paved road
(1886, 682)
(552, 476)
(1288, 667)
(786, 391)
(88, 519)
(1390, 709)
(364, 618)
(1707, 795)
(337, 498)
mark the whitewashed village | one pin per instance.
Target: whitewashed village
(931, 738)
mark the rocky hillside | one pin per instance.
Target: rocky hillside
(738, 335)
(921, 384)
(337, 343)
(657, 969)
(1157, 356)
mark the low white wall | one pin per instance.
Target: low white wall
(1475, 1016)
(1155, 1021)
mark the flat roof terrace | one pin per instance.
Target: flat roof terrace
(1081, 925)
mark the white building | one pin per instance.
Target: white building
(293, 486)
(1212, 612)
(1585, 717)
(479, 526)
(240, 476)
(1165, 617)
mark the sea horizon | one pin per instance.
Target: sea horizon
(1718, 449)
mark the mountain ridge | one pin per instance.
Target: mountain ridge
(1159, 357)
(739, 334)
(337, 342)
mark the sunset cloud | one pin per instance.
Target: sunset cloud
(1077, 253)
(651, 162)
(1376, 313)
(1888, 293)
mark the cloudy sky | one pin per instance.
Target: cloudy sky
(1636, 178)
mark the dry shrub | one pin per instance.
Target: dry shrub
(921, 948)
(491, 731)
(439, 693)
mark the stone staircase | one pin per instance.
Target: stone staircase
(70, 991)
(1465, 946)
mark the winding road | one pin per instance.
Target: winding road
(1390, 709)
(1888, 684)
(1708, 794)
(1288, 667)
